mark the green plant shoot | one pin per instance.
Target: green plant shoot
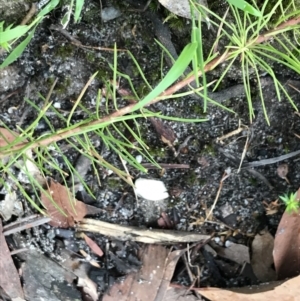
(291, 202)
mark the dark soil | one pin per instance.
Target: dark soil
(240, 209)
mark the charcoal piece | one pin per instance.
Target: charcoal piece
(46, 280)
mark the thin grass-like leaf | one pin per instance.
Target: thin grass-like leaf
(80, 97)
(114, 84)
(78, 9)
(48, 8)
(252, 61)
(174, 73)
(15, 54)
(66, 18)
(246, 7)
(246, 81)
(141, 73)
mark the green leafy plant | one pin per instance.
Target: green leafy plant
(79, 137)
(246, 44)
(291, 202)
(252, 44)
(9, 35)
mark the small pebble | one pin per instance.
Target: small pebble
(217, 239)
(57, 105)
(110, 13)
(228, 243)
(139, 159)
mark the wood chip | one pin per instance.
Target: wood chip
(149, 236)
(9, 277)
(262, 256)
(235, 252)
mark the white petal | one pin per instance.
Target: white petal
(152, 190)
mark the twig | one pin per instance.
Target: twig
(224, 177)
(260, 177)
(76, 42)
(166, 166)
(9, 95)
(129, 178)
(220, 30)
(271, 160)
(30, 14)
(26, 223)
(130, 233)
(244, 151)
(184, 144)
(228, 135)
(18, 251)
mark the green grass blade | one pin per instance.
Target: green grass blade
(246, 7)
(48, 8)
(78, 9)
(10, 34)
(174, 73)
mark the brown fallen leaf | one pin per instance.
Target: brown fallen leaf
(262, 256)
(74, 211)
(9, 277)
(286, 251)
(151, 282)
(93, 245)
(271, 208)
(283, 170)
(274, 291)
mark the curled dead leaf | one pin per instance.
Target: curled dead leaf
(93, 245)
(164, 131)
(63, 208)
